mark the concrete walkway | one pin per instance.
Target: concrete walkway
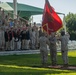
(19, 52)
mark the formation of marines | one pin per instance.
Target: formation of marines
(52, 43)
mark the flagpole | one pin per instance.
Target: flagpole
(47, 28)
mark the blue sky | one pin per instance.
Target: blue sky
(63, 6)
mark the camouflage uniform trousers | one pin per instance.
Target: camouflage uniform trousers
(53, 54)
(44, 56)
(64, 52)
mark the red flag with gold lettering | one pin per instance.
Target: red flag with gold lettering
(51, 22)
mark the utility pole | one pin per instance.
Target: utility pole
(64, 23)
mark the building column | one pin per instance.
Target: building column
(15, 8)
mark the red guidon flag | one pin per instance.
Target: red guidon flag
(51, 22)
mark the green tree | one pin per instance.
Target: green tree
(71, 25)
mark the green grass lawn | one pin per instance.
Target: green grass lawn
(25, 65)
